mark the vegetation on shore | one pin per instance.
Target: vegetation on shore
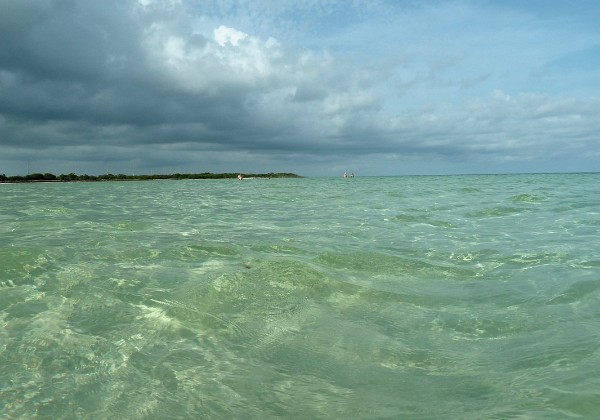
(39, 177)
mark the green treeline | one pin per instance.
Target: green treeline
(39, 177)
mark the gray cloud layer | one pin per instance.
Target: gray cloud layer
(90, 86)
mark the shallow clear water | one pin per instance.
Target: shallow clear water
(403, 297)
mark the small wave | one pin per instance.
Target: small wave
(586, 264)
(577, 292)
(217, 251)
(278, 249)
(528, 260)
(500, 211)
(475, 328)
(132, 225)
(377, 263)
(528, 198)
(409, 218)
(423, 219)
(545, 353)
(19, 264)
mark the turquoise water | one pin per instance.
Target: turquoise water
(462, 297)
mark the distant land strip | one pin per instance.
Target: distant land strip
(39, 177)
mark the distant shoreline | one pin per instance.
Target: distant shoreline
(47, 177)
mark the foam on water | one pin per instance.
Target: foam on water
(409, 297)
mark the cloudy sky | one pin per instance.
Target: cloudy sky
(315, 87)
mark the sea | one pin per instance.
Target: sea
(409, 297)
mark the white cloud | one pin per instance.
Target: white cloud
(342, 102)
(224, 35)
(192, 62)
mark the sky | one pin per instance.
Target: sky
(314, 87)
